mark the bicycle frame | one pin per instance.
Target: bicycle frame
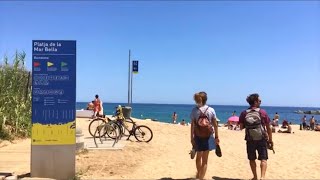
(131, 132)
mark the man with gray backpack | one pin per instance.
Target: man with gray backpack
(258, 134)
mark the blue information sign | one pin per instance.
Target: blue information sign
(135, 66)
(53, 92)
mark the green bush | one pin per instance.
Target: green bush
(15, 98)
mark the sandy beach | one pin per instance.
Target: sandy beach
(166, 156)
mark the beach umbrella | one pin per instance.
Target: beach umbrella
(233, 119)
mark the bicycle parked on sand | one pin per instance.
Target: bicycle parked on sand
(119, 126)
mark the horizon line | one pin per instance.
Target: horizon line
(207, 104)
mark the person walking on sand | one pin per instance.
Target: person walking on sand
(203, 127)
(258, 134)
(97, 106)
(174, 117)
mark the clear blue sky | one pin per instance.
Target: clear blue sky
(228, 49)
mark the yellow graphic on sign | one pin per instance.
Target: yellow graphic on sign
(49, 64)
(53, 134)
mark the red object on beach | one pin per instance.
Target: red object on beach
(234, 119)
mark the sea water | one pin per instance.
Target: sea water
(163, 112)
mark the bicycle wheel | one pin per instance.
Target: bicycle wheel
(143, 133)
(94, 124)
(127, 126)
(122, 127)
(112, 130)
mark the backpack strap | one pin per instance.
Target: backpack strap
(263, 121)
(204, 111)
(262, 118)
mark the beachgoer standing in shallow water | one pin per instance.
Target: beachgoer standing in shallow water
(258, 134)
(276, 116)
(174, 117)
(203, 127)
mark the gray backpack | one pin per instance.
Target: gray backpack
(254, 125)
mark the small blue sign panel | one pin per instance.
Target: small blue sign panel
(53, 92)
(135, 66)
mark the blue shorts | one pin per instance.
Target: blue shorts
(205, 144)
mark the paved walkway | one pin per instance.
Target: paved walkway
(106, 144)
(15, 158)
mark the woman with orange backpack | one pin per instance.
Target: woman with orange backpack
(203, 126)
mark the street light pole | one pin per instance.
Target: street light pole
(131, 83)
(129, 78)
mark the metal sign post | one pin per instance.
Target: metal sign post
(53, 109)
(129, 78)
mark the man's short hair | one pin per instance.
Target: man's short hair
(252, 98)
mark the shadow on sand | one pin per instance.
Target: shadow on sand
(5, 174)
(169, 178)
(221, 178)
(24, 175)
(214, 178)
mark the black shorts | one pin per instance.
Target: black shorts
(304, 124)
(260, 146)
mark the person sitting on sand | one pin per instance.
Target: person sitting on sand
(275, 122)
(284, 124)
(183, 122)
(228, 124)
(289, 129)
(237, 127)
(90, 105)
(317, 128)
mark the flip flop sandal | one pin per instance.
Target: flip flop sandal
(192, 153)
(218, 151)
